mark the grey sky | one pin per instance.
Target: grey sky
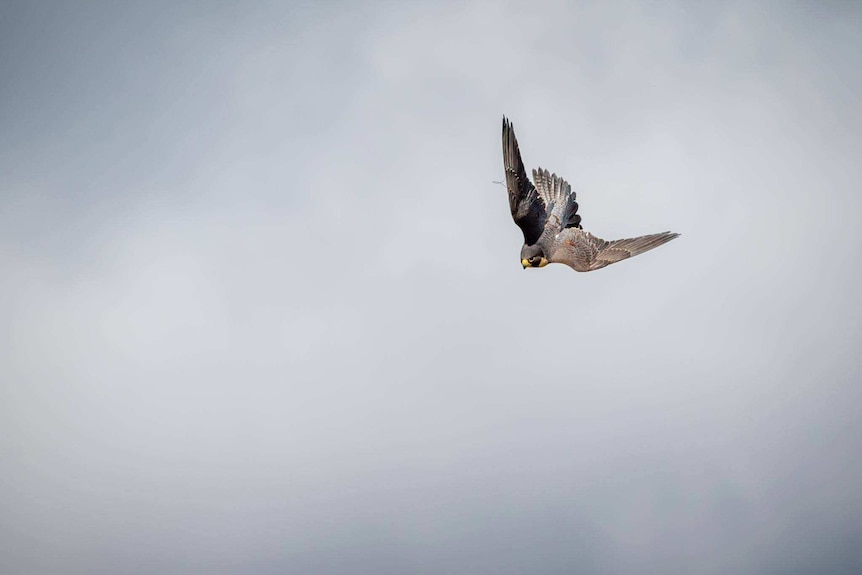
(263, 312)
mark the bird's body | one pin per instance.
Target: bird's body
(547, 214)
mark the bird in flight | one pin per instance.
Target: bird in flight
(547, 213)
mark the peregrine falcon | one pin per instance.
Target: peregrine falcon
(547, 213)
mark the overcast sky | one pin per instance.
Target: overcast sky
(262, 308)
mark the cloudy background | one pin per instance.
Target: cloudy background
(262, 309)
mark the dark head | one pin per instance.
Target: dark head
(533, 257)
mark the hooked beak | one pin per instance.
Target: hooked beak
(525, 263)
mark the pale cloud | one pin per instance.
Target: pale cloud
(265, 312)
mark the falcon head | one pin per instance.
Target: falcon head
(533, 257)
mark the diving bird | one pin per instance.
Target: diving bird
(547, 213)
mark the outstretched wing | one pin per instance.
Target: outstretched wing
(585, 252)
(559, 200)
(528, 209)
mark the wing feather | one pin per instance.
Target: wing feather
(582, 251)
(559, 200)
(618, 250)
(527, 207)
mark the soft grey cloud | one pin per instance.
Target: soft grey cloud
(264, 311)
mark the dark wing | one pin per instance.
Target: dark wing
(585, 252)
(527, 207)
(559, 199)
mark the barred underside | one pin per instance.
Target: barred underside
(560, 199)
